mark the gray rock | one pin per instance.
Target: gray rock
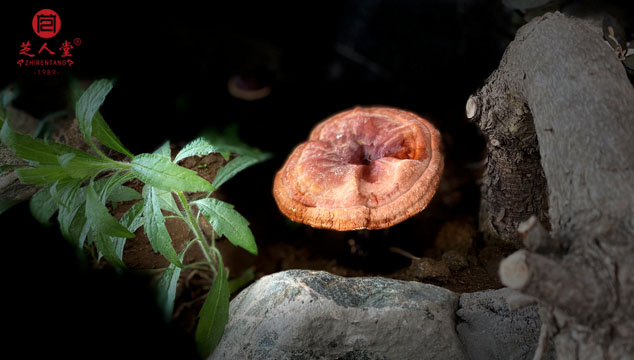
(489, 330)
(301, 314)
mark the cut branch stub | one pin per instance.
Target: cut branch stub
(365, 168)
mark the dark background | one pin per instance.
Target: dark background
(171, 65)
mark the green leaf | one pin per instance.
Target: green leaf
(214, 315)
(161, 173)
(100, 130)
(229, 142)
(43, 205)
(84, 167)
(42, 175)
(71, 198)
(241, 281)
(165, 199)
(155, 229)
(36, 150)
(119, 246)
(197, 147)
(106, 136)
(132, 219)
(44, 127)
(26, 147)
(7, 96)
(66, 193)
(75, 227)
(88, 105)
(107, 247)
(100, 218)
(228, 222)
(123, 193)
(166, 288)
(232, 168)
(164, 150)
(110, 184)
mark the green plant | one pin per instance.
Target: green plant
(79, 187)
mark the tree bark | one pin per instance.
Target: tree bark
(558, 115)
(12, 190)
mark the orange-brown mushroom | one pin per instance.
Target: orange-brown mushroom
(365, 168)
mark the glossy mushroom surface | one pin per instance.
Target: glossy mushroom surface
(365, 168)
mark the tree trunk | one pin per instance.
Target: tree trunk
(558, 115)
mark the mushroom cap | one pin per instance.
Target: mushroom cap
(365, 168)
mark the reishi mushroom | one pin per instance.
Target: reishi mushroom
(365, 168)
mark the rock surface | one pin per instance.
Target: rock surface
(489, 330)
(301, 314)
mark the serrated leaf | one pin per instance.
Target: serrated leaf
(155, 229)
(198, 147)
(232, 168)
(228, 222)
(166, 288)
(26, 147)
(100, 130)
(161, 173)
(214, 315)
(35, 150)
(65, 193)
(229, 142)
(107, 185)
(123, 193)
(107, 247)
(132, 219)
(43, 206)
(76, 230)
(88, 105)
(164, 150)
(119, 246)
(165, 199)
(84, 167)
(71, 198)
(42, 175)
(100, 218)
(106, 136)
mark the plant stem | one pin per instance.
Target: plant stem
(122, 164)
(200, 238)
